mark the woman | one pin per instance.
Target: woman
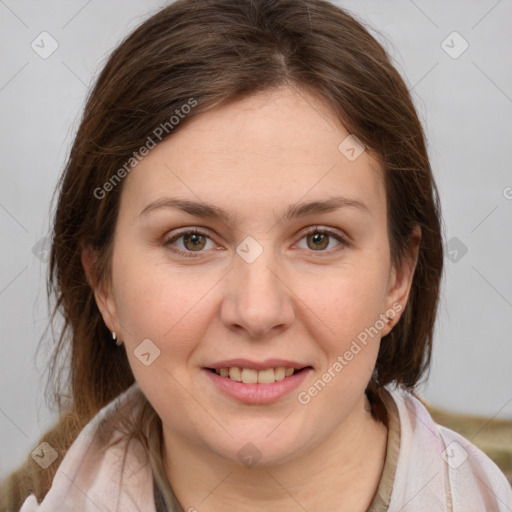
(247, 253)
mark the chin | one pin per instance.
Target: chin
(255, 448)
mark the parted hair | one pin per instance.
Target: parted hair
(217, 52)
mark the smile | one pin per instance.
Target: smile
(251, 376)
(252, 386)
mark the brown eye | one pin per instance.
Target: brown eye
(318, 241)
(188, 242)
(194, 241)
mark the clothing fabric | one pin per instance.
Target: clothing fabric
(436, 468)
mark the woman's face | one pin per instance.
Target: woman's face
(255, 288)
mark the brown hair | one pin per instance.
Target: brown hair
(219, 51)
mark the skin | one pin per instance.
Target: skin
(295, 301)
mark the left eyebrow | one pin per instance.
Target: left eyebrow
(328, 205)
(203, 209)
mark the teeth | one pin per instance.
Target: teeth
(264, 376)
(235, 374)
(250, 376)
(280, 373)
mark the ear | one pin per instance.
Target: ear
(400, 281)
(102, 291)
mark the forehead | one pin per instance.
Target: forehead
(272, 148)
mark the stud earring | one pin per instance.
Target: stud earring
(114, 337)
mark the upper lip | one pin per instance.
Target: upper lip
(256, 365)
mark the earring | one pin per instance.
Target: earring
(114, 337)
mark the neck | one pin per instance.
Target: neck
(342, 472)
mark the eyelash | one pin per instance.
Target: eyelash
(313, 230)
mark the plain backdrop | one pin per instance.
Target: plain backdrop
(462, 87)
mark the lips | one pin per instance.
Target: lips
(253, 391)
(256, 365)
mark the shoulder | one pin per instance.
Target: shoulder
(101, 461)
(33, 478)
(437, 465)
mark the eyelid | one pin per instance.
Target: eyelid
(342, 239)
(335, 233)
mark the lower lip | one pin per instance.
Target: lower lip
(258, 393)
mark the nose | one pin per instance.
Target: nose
(258, 300)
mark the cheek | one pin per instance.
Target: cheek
(161, 304)
(346, 302)
(349, 338)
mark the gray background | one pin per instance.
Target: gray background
(465, 104)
